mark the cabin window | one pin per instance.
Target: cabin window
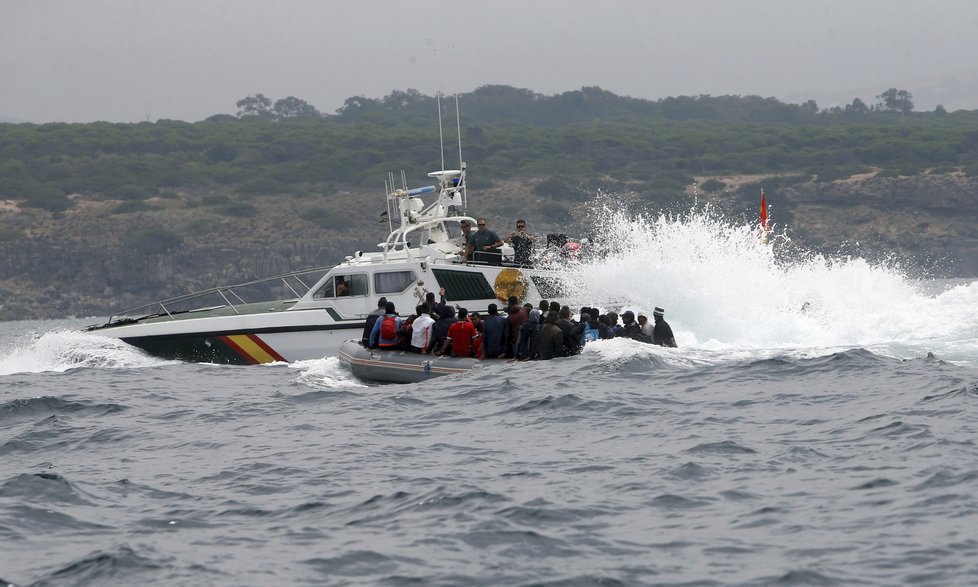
(393, 281)
(344, 286)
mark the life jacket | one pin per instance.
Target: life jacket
(407, 327)
(590, 333)
(388, 328)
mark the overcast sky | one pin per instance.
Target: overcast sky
(131, 60)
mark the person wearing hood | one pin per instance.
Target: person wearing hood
(662, 333)
(384, 333)
(647, 326)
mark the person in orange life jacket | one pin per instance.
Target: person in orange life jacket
(384, 334)
(372, 317)
(460, 336)
(421, 330)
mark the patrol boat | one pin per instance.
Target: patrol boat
(308, 314)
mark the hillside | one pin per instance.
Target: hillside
(96, 218)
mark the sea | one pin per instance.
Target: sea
(816, 426)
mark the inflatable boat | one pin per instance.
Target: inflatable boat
(396, 366)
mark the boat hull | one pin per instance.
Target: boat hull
(244, 347)
(239, 340)
(400, 366)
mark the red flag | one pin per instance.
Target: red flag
(764, 225)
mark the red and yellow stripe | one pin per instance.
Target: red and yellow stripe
(252, 349)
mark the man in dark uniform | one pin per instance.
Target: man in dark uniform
(662, 333)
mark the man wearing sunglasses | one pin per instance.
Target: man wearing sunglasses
(484, 245)
(522, 242)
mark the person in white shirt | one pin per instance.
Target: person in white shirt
(421, 330)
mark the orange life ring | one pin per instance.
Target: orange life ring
(510, 282)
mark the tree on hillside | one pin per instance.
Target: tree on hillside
(257, 105)
(857, 107)
(293, 107)
(896, 100)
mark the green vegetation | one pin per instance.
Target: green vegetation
(287, 147)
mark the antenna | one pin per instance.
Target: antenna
(441, 136)
(461, 164)
(389, 185)
(458, 128)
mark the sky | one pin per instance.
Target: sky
(134, 60)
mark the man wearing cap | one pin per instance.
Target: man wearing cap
(662, 333)
(631, 328)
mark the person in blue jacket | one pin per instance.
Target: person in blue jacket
(384, 333)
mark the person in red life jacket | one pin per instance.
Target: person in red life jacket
(460, 336)
(384, 334)
(406, 331)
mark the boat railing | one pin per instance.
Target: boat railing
(274, 288)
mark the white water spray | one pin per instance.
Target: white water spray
(61, 350)
(723, 288)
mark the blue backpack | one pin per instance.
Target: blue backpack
(590, 333)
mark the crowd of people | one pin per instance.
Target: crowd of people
(517, 331)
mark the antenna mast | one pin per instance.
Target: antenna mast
(458, 128)
(441, 135)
